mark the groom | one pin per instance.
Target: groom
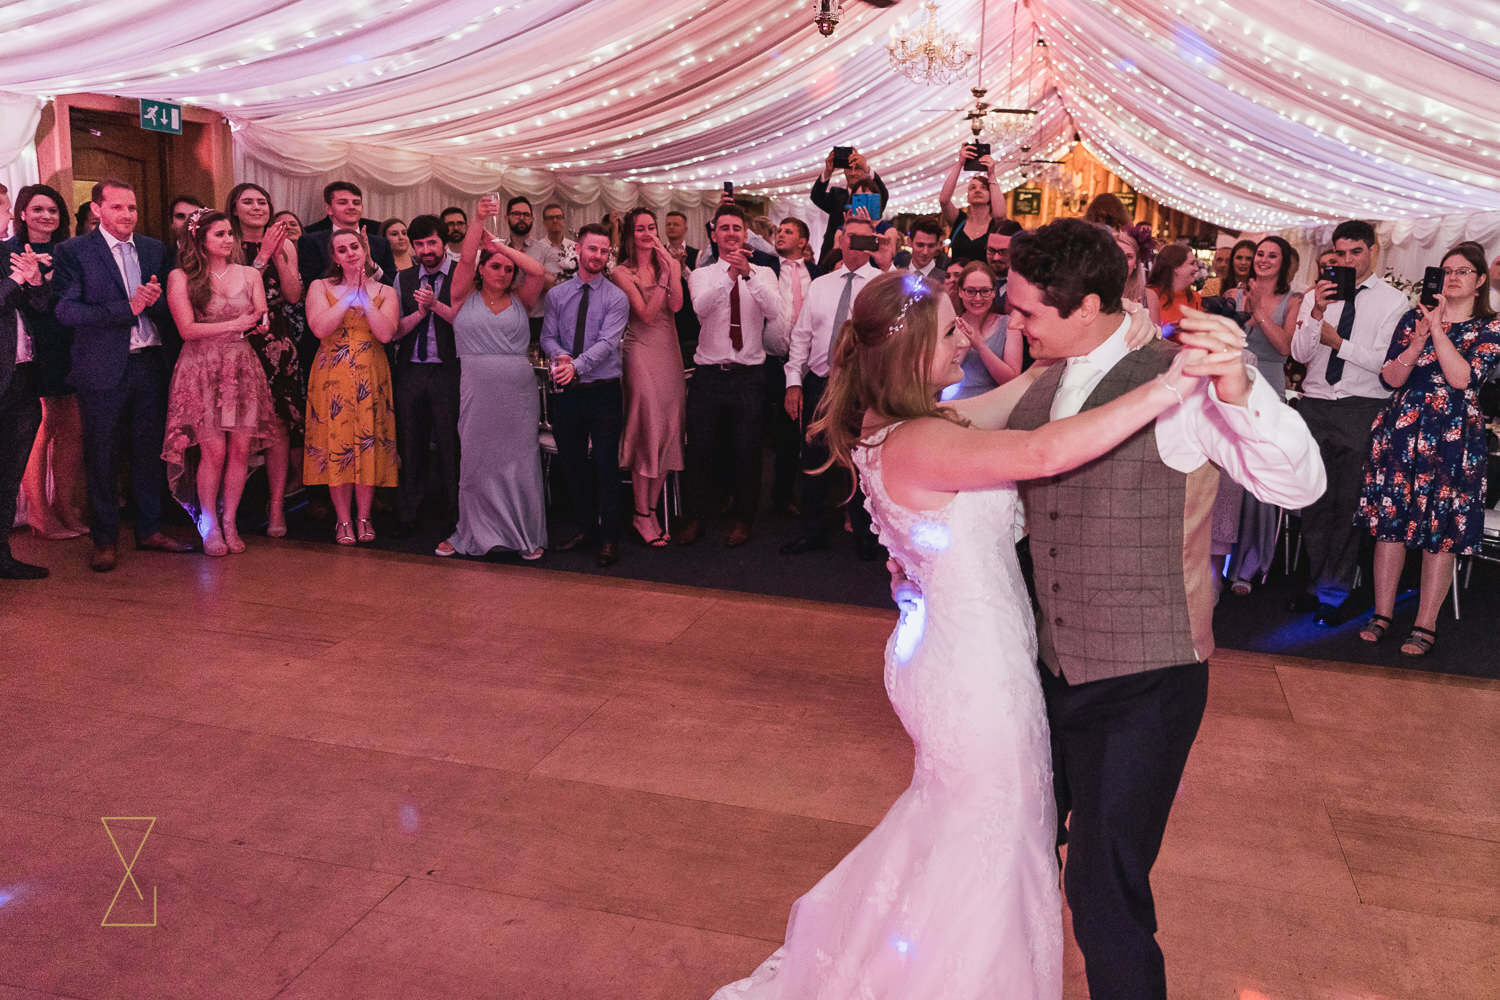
(1120, 548)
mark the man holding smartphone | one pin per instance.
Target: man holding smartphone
(834, 199)
(1343, 344)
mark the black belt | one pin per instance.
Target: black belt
(731, 366)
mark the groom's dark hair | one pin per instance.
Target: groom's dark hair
(1068, 260)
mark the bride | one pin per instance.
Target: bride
(955, 894)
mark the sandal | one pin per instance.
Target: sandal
(366, 530)
(659, 541)
(343, 532)
(1375, 629)
(1420, 642)
(445, 549)
(233, 541)
(533, 555)
(1240, 588)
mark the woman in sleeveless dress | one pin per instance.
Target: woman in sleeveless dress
(268, 248)
(969, 230)
(955, 893)
(219, 403)
(1270, 308)
(651, 357)
(351, 419)
(500, 498)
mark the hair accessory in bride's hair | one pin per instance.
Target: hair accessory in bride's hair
(916, 288)
(195, 221)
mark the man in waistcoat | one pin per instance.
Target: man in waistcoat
(1120, 549)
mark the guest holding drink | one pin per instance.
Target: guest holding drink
(500, 497)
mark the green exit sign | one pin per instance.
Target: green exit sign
(161, 116)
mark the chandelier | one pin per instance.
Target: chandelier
(1001, 126)
(929, 54)
(826, 14)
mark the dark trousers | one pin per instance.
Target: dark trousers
(427, 417)
(814, 453)
(784, 432)
(585, 413)
(1119, 747)
(20, 416)
(138, 407)
(1333, 541)
(724, 410)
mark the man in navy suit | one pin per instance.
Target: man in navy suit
(345, 205)
(109, 290)
(20, 407)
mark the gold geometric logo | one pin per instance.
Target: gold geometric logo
(129, 866)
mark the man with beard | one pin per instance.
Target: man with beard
(520, 218)
(557, 235)
(455, 228)
(426, 377)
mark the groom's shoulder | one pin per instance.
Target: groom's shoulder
(1156, 355)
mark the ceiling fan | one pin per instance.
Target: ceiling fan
(829, 11)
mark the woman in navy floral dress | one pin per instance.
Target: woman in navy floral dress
(1424, 479)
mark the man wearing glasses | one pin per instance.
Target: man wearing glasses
(520, 218)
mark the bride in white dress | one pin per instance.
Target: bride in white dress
(954, 895)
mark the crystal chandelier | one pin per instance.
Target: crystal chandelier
(826, 14)
(929, 54)
(1001, 126)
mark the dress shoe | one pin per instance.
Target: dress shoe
(739, 534)
(103, 559)
(609, 554)
(161, 542)
(807, 543)
(14, 569)
(572, 543)
(689, 532)
(1303, 603)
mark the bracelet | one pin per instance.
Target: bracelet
(260, 265)
(1403, 364)
(1170, 388)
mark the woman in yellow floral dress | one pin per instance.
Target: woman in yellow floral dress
(351, 422)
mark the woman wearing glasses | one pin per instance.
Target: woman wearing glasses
(1424, 478)
(993, 358)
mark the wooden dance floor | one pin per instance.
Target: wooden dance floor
(380, 776)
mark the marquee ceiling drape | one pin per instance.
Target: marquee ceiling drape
(1256, 114)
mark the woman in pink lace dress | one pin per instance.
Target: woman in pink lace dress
(219, 410)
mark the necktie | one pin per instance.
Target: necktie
(431, 280)
(1335, 369)
(583, 315)
(736, 334)
(842, 312)
(1073, 391)
(132, 265)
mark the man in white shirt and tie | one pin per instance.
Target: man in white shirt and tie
(824, 311)
(926, 242)
(795, 277)
(1343, 345)
(733, 299)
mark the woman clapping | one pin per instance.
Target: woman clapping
(351, 419)
(219, 400)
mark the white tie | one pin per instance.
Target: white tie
(1074, 388)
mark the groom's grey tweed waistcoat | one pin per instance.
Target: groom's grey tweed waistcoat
(1120, 545)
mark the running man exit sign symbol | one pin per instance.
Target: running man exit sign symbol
(161, 116)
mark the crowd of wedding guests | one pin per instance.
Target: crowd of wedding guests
(406, 354)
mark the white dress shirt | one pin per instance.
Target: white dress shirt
(794, 282)
(1264, 445)
(1378, 309)
(144, 334)
(813, 333)
(760, 300)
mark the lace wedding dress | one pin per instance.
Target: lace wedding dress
(954, 896)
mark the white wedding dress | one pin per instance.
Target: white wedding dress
(954, 896)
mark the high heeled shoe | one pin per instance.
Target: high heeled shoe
(233, 542)
(658, 541)
(366, 530)
(214, 545)
(343, 532)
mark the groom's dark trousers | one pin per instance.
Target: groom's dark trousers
(1119, 747)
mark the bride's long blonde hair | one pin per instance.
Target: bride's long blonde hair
(882, 364)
